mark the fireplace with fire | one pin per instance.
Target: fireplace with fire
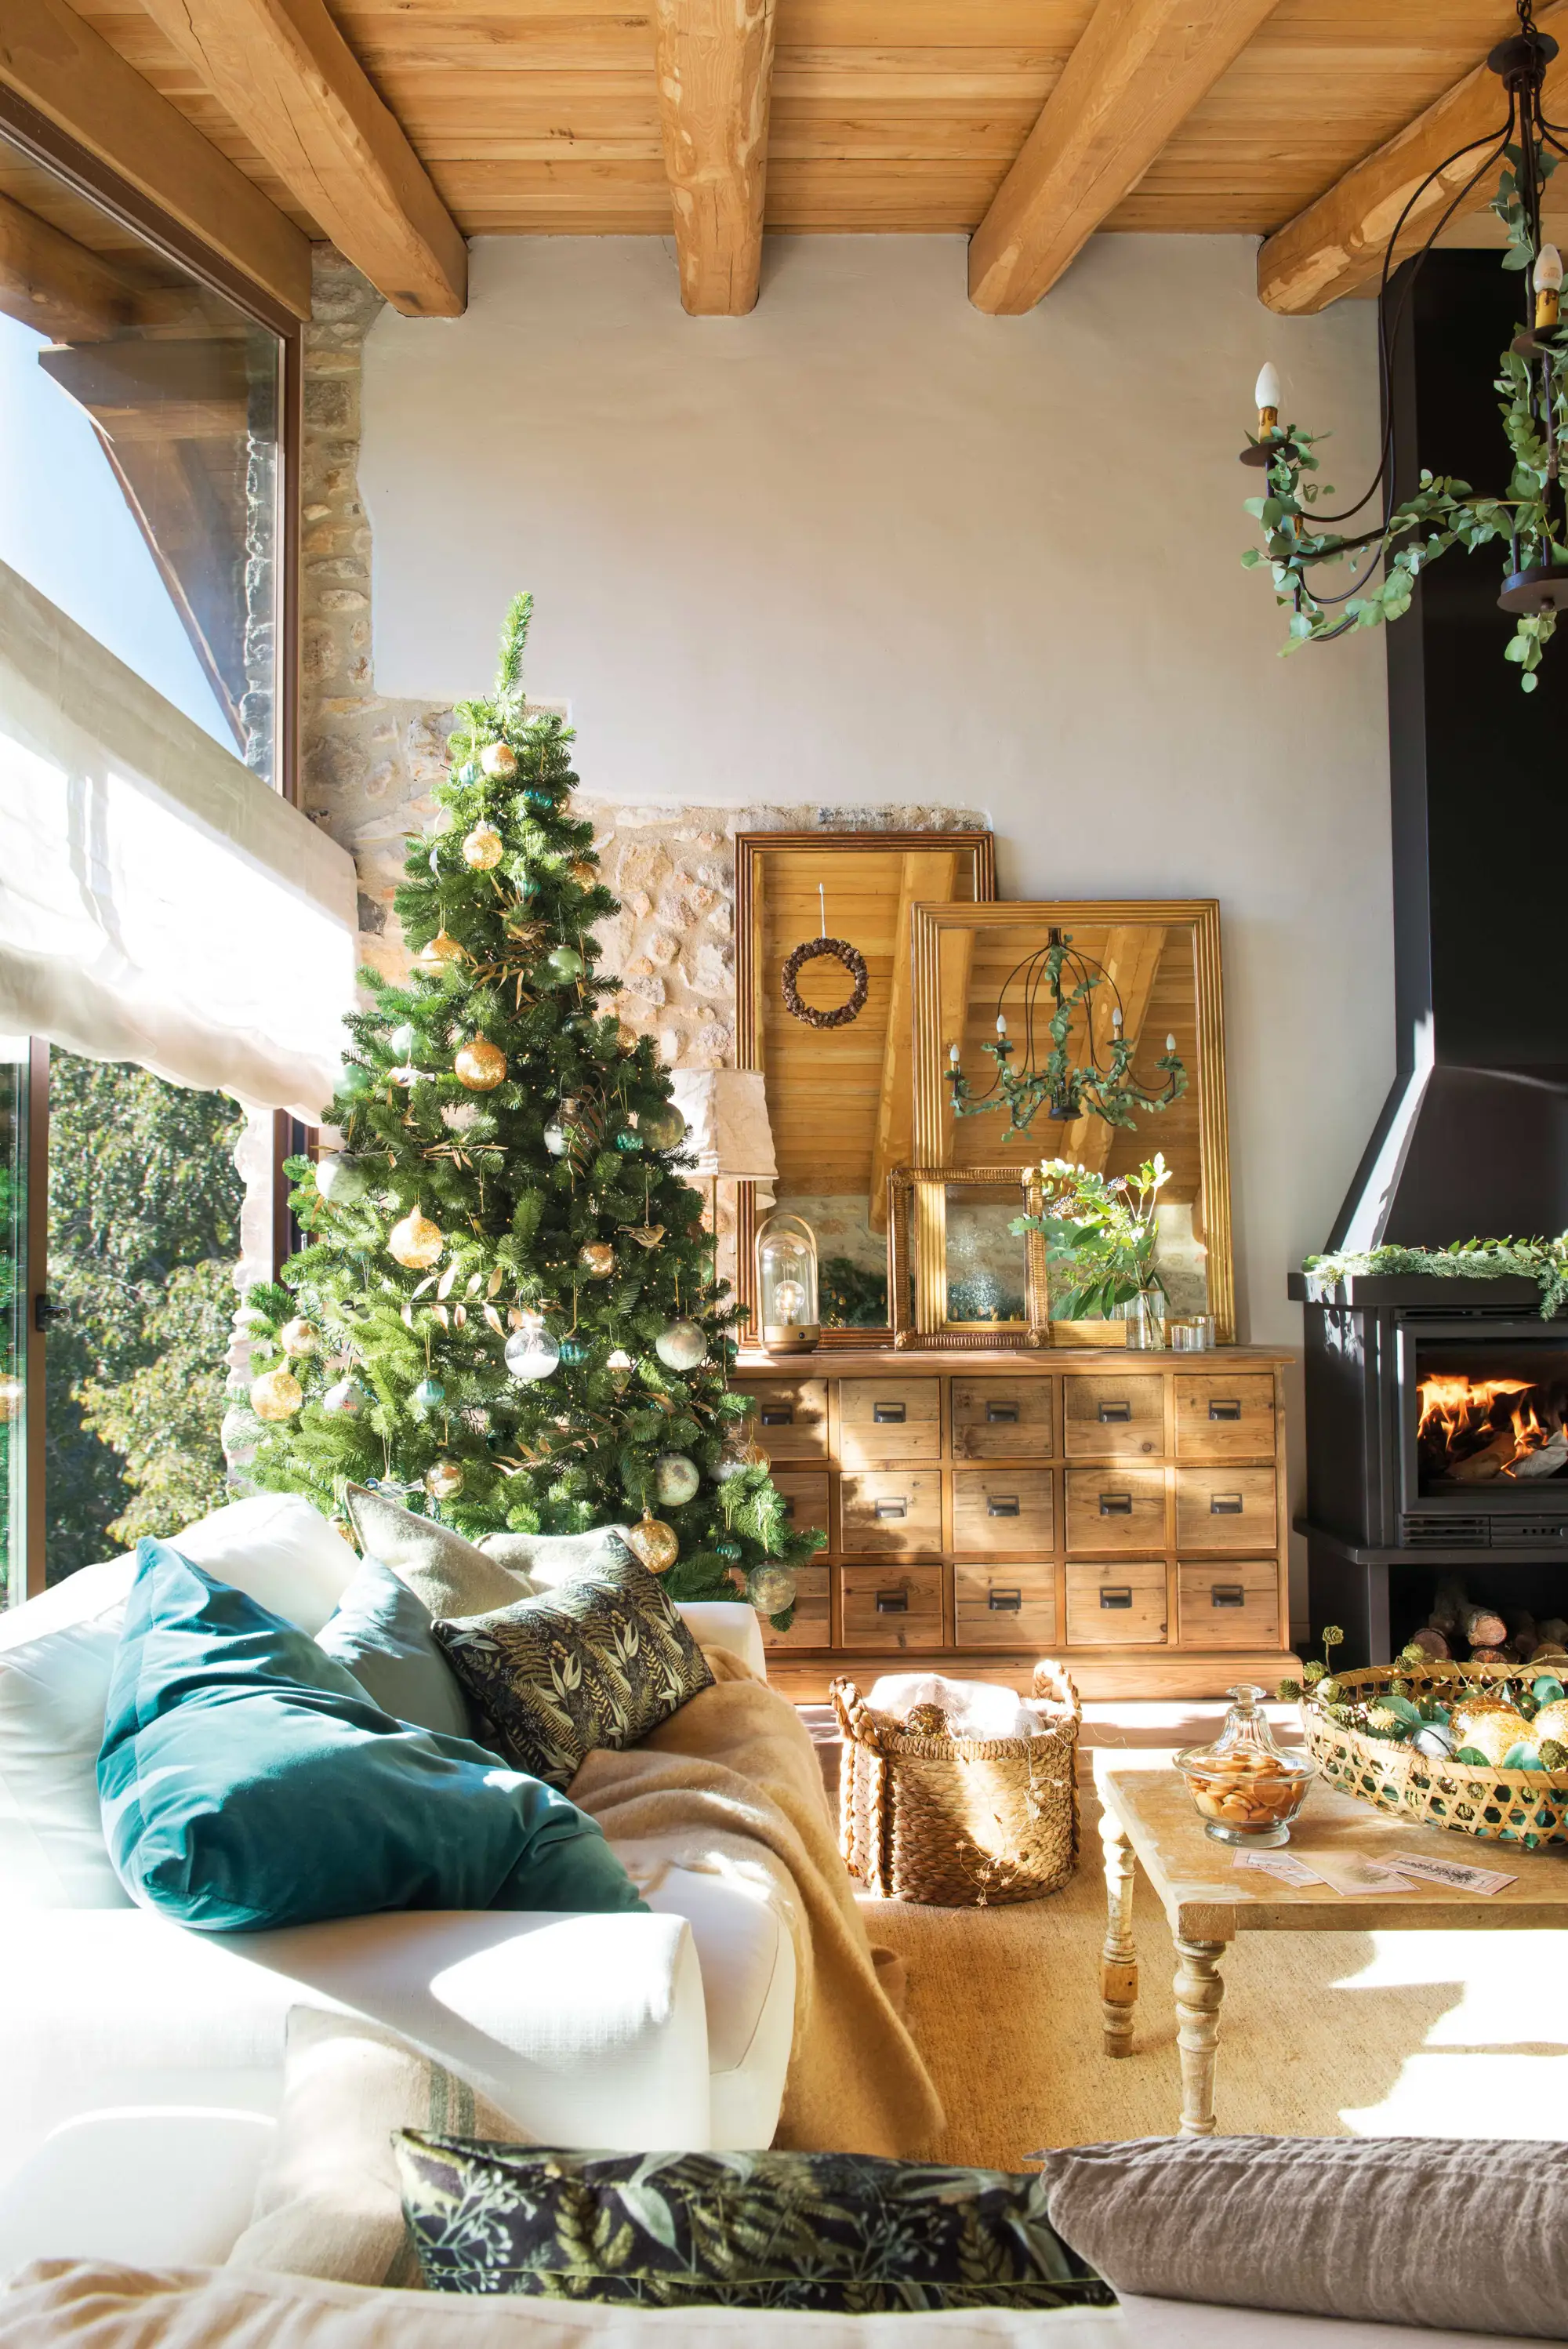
(1491, 1423)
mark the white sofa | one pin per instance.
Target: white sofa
(633, 2031)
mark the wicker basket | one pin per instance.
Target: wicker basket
(960, 1822)
(1523, 1806)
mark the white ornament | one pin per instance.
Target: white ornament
(531, 1353)
(675, 1479)
(345, 1400)
(680, 1345)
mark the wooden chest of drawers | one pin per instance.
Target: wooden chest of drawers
(1124, 1512)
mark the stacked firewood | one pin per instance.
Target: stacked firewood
(1468, 1632)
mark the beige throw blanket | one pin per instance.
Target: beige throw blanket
(732, 1782)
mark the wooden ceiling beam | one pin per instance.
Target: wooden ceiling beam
(714, 62)
(49, 57)
(285, 72)
(1138, 71)
(1336, 245)
(56, 285)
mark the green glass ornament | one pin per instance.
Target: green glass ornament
(357, 1082)
(427, 1394)
(340, 1181)
(628, 1138)
(402, 1040)
(536, 796)
(572, 1351)
(663, 1128)
(729, 1551)
(564, 964)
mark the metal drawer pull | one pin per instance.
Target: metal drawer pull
(1225, 1505)
(1004, 1602)
(1001, 1504)
(778, 1414)
(888, 1415)
(1219, 1410)
(1115, 1414)
(1117, 1594)
(1229, 1593)
(893, 1602)
(893, 1509)
(1115, 1504)
(1001, 1414)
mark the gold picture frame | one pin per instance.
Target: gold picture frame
(950, 942)
(756, 980)
(917, 1262)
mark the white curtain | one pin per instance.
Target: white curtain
(157, 902)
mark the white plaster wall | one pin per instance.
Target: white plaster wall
(867, 545)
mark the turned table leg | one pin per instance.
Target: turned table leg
(1199, 1991)
(1118, 1957)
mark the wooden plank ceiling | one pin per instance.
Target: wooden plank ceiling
(542, 115)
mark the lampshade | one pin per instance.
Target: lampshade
(726, 1112)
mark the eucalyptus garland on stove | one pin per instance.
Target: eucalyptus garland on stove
(1543, 1261)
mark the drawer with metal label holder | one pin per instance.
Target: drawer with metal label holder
(897, 1608)
(789, 1417)
(889, 1419)
(1120, 1605)
(891, 1509)
(1004, 1605)
(1225, 1508)
(1003, 1418)
(1004, 1510)
(1234, 1605)
(1119, 1418)
(1119, 1508)
(1224, 1416)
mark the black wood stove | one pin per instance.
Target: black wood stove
(1437, 1409)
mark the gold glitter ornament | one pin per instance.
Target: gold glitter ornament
(444, 1482)
(480, 1065)
(597, 1259)
(585, 877)
(498, 760)
(483, 847)
(437, 958)
(1551, 1721)
(299, 1336)
(655, 1543)
(415, 1242)
(1494, 1732)
(276, 1394)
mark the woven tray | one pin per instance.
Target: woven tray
(960, 1822)
(1523, 1806)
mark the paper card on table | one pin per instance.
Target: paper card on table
(1282, 1864)
(1457, 1874)
(1347, 1872)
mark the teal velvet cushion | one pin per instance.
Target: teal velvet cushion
(246, 1780)
(802, 2230)
(381, 1633)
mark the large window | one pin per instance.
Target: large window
(140, 467)
(150, 428)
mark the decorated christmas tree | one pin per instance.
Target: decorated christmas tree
(505, 1312)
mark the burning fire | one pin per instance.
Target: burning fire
(1459, 1414)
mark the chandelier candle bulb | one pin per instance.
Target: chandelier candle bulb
(1267, 392)
(1548, 285)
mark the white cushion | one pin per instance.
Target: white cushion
(153, 2187)
(728, 1624)
(591, 2030)
(56, 1654)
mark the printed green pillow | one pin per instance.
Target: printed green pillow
(830, 2232)
(600, 1662)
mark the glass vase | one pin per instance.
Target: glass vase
(1145, 1318)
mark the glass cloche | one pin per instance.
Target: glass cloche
(787, 1284)
(1246, 1788)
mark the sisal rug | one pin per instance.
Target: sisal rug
(1321, 2034)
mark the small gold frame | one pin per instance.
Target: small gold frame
(917, 1241)
(1201, 915)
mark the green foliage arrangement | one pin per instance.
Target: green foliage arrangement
(1102, 1231)
(560, 1209)
(850, 1296)
(1545, 1262)
(144, 1230)
(1444, 511)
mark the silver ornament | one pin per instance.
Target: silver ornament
(680, 1345)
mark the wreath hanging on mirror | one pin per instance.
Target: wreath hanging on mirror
(839, 950)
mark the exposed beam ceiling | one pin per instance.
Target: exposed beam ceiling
(49, 57)
(714, 60)
(283, 70)
(1136, 73)
(1336, 245)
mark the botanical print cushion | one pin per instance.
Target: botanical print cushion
(765, 2231)
(600, 1662)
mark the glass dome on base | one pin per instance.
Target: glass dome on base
(787, 1285)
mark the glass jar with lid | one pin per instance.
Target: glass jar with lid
(787, 1284)
(1246, 1788)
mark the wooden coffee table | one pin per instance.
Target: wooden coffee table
(1147, 1820)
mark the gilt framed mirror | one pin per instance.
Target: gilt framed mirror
(839, 1091)
(1111, 1048)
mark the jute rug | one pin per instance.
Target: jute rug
(1322, 2035)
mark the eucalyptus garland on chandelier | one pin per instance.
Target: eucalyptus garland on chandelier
(1531, 519)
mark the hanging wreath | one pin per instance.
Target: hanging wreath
(838, 950)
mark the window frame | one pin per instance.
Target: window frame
(56, 151)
